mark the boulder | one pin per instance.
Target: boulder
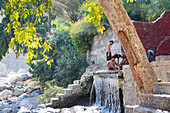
(29, 103)
(14, 99)
(80, 109)
(24, 77)
(19, 83)
(75, 109)
(24, 110)
(29, 89)
(24, 95)
(35, 93)
(49, 110)
(5, 93)
(6, 110)
(3, 75)
(16, 91)
(22, 71)
(5, 87)
(14, 79)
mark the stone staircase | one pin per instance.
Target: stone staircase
(75, 93)
(158, 102)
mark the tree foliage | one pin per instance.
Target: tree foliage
(82, 35)
(25, 34)
(68, 65)
(146, 11)
(96, 13)
(68, 9)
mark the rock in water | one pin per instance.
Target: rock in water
(29, 89)
(3, 75)
(24, 77)
(47, 110)
(22, 71)
(14, 79)
(17, 91)
(6, 110)
(29, 103)
(5, 87)
(24, 110)
(19, 83)
(5, 93)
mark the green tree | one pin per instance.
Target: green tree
(68, 65)
(68, 9)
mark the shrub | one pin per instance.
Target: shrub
(82, 35)
(50, 91)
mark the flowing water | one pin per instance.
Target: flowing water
(106, 94)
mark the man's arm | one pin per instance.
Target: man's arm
(112, 65)
(107, 64)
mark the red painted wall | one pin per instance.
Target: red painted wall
(156, 35)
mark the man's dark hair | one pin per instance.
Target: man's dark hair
(116, 55)
(113, 56)
(111, 41)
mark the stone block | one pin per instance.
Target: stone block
(141, 109)
(54, 102)
(60, 96)
(157, 101)
(67, 92)
(76, 82)
(74, 86)
(161, 88)
(168, 76)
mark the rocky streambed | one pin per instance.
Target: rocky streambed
(18, 91)
(19, 94)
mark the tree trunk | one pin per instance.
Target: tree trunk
(134, 50)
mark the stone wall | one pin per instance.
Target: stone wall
(98, 48)
(9, 63)
(161, 69)
(130, 90)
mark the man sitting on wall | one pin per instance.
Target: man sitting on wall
(111, 64)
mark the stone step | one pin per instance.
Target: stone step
(67, 91)
(168, 76)
(141, 109)
(73, 86)
(54, 102)
(60, 96)
(159, 101)
(77, 82)
(161, 88)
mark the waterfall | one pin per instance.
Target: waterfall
(107, 94)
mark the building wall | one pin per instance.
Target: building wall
(155, 35)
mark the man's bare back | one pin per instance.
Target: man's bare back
(108, 47)
(108, 54)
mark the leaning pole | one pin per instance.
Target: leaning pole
(123, 27)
